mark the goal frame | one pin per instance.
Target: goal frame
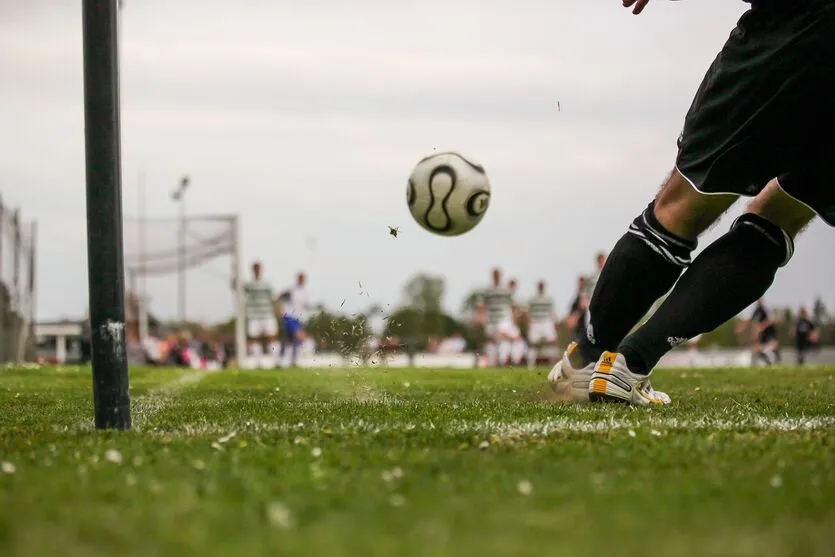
(139, 269)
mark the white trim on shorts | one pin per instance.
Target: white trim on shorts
(695, 187)
(738, 195)
(779, 185)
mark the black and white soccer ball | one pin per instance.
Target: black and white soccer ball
(448, 193)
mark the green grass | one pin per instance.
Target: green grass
(418, 463)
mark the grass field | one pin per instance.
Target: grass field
(417, 463)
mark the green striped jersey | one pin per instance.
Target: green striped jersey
(259, 300)
(541, 308)
(499, 303)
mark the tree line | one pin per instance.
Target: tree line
(420, 318)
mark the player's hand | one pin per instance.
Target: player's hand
(636, 5)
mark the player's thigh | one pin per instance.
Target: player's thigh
(777, 206)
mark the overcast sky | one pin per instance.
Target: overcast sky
(306, 117)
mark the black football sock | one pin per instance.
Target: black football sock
(731, 274)
(642, 267)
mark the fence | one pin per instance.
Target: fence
(17, 285)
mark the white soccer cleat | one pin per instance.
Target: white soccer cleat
(565, 379)
(613, 382)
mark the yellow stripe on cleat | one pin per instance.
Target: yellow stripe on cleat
(598, 386)
(570, 349)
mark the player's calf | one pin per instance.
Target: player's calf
(728, 276)
(646, 262)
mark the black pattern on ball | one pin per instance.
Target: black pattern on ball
(411, 193)
(477, 203)
(477, 167)
(449, 171)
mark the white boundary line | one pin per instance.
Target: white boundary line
(148, 405)
(513, 429)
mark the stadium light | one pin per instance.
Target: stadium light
(178, 196)
(105, 263)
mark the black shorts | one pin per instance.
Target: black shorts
(766, 107)
(767, 335)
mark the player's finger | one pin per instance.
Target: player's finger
(639, 6)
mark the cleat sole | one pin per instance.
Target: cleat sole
(603, 397)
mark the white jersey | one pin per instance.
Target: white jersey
(296, 305)
(499, 303)
(259, 300)
(541, 309)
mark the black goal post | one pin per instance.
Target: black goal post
(105, 265)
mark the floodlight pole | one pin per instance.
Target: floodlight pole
(142, 294)
(179, 197)
(105, 264)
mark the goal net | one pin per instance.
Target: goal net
(183, 270)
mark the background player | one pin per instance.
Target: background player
(542, 319)
(518, 346)
(495, 312)
(261, 324)
(577, 317)
(591, 282)
(805, 335)
(295, 308)
(766, 345)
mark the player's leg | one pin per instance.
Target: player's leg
(491, 352)
(535, 342)
(551, 342)
(774, 349)
(800, 348)
(292, 327)
(273, 345)
(759, 352)
(254, 338)
(763, 352)
(298, 340)
(517, 351)
(533, 352)
(646, 262)
(546, 339)
(505, 344)
(491, 345)
(744, 262)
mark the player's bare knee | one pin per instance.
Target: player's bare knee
(671, 224)
(781, 209)
(686, 212)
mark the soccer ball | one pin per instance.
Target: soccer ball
(448, 194)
